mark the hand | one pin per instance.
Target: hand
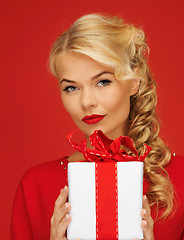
(60, 218)
(147, 221)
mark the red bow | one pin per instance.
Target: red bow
(106, 149)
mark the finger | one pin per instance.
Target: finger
(62, 227)
(146, 205)
(60, 214)
(61, 199)
(147, 230)
(144, 226)
(143, 214)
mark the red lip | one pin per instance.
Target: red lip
(93, 118)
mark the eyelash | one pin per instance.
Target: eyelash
(66, 89)
(101, 81)
(105, 81)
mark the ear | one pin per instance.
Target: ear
(134, 86)
(135, 83)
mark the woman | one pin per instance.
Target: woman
(105, 83)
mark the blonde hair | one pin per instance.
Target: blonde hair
(112, 42)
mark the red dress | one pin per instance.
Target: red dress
(41, 185)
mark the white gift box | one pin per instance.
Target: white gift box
(82, 182)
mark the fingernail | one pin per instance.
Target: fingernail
(144, 211)
(145, 223)
(66, 217)
(65, 187)
(67, 205)
(145, 198)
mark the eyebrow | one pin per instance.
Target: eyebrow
(94, 77)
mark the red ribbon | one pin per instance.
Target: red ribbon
(109, 151)
(106, 201)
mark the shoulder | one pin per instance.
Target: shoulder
(176, 164)
(45, 172)
(41, 184)
(35, 197)
(175, 169)
(175, 157)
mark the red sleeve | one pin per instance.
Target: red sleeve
(20, 224)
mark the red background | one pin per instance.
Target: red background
(33, 121)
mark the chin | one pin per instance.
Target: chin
(105, 131)
(89, 132)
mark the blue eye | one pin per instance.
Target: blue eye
(70, 89)
(104, 82)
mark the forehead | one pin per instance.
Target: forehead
(74, 64)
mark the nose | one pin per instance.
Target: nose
(88, 98)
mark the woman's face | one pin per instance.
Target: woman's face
(89, 88)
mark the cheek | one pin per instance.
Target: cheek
(68, 105)
(114, 100)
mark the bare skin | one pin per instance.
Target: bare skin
(147, 221)
(60, 218)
